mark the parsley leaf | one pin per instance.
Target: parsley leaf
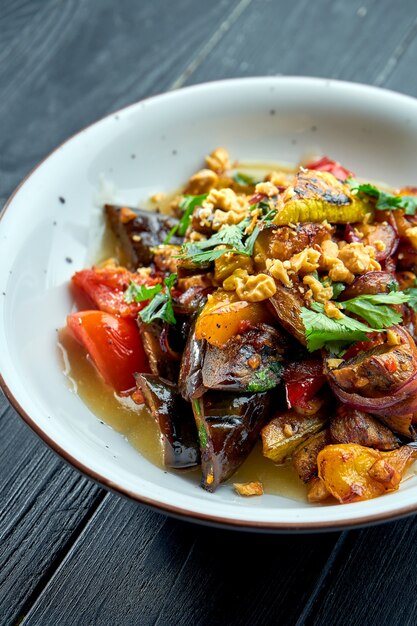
(392, 286)
(337, 289)
(322, 331)
(140, 293)
(385, 201)
(204, 251)
(187, 206)
(244, 179)
(411, 292)
(375, 310)
(160, 307)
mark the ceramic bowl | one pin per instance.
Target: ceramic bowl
(371, 131)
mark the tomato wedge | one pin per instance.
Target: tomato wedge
(113, 343)
(105, 288)
(328, 165)
(302, 381)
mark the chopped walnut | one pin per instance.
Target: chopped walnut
(226, 264)
(250, 288)
(158, 197)
(222, 218)
(254, 488)
(279, 179)
(320, 293)
(332, 311)
(358, 258)
(340, 273)
(201, 182)
(305, 262)
(267, 188)
(126, 215)
(226, 200)
(392, 338)
(218, 161)
(277, 270)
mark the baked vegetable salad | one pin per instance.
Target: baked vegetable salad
(281, 309)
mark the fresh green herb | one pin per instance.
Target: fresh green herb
(202, 435)
(392, 286)
(375, 309)
(140, 293)
(385, 201)
(337, 289)
(187, 206)
(266, 378)
(197, 406)
(232, 236)
(160, 307)
(322, 331)
(244, 179)
(411, 292)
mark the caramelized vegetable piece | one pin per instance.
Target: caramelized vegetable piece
(382, 236)
(401, 424)
(190, 380)
(303, 379)
(139, 231)
(249, 489)
(221, 317)
(162, 360)
(317, 196)
(286, 431)
(353, 426)
(287, 303)
(248, 362)
(282, 242)
(352, 473)
(228, 427)
(317, 491)
(175, 420)
(370, 283)
(305, 457)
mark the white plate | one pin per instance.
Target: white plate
(371, 131)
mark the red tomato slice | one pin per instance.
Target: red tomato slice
(105, 287)
(328, 165)
(113, 343)
(302, 381)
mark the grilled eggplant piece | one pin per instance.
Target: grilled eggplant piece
(317, 196)
(353, 426)
(174, 418)
(250, 361)
(286, 304)
(282, 242)
(401, 424)
(190, 380)
(370, 283)
(163, 361)
(228, 427)
(139, 231)
(286, 431)
(304, 458)
(376, 372)
(376, 233)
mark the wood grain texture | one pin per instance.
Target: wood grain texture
(373, 580)
(152, 570)
(42, 505)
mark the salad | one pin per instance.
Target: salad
(282, 310)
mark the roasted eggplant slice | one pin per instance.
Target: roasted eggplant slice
(190, 380)
(401, 424)
(304, 458)
(163, 361)
(250, 361)
(174, 418)
(228, 427)
(282, 242)
(139, 231)
(353, 426)
(286, 304)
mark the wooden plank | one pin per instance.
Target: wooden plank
(134, 566)
(373, 581)
(323, 38)
(43, 505)
(72, 62)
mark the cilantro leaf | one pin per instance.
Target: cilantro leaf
(204, 251)
(244, 179)
(392, 285)
(140, 293)
(160, 307)
(385, 201)
(375, 310)
(411, 292)
(337, 289)
(187, 206)
(320, 329)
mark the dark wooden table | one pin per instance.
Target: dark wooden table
(70, 552)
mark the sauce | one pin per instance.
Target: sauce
(136, 424)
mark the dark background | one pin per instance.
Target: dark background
(70, 552)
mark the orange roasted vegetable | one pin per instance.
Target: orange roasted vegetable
(351, 472)
(223, 314)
